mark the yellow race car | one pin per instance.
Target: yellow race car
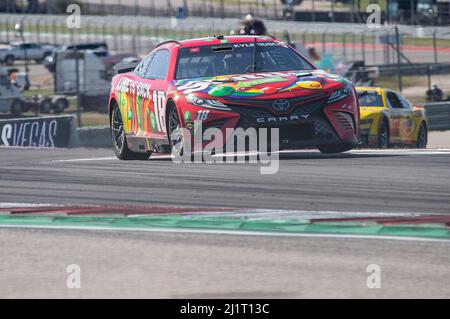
(388, 119)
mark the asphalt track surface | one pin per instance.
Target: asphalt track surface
(386, 181)
(174, 265)
(158, 264)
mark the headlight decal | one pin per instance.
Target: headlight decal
(207, 103)
(340, 94)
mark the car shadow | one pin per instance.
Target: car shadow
(302, 155)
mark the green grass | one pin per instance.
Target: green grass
(30, 93)
(407, 81)
(418, 96)
(428, 42)
(94, 119)
(363, 4)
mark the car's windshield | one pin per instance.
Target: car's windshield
(370, 98)
(238, 58)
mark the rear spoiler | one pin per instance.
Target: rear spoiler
(124, 67)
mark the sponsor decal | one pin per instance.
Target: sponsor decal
(259, 44)
(251, 85)
(36, 132)
(312, 85)
(202, 115)
(159, 103)
(143, 108)
(281, 105)
(278, 119)
(187, 116)
(133, 87)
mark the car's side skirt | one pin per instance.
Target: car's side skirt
(143, 144)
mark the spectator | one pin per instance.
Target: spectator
(251, 26)
(313, 54)
(13, 76)
(435, 94)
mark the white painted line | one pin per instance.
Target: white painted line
(356, 152)
(234, 233)
(254, 214)
(300, 214)
(26, 205)
(108, 158)
(403, 152)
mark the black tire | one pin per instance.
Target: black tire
(335, 148)
(60, 105)
(17, 107)
(422, 137)
(9, 60)
(119, 139)
(177, 145)
(383, 135)
(45, 106)
(173, 128)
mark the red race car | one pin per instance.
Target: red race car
(228, 83)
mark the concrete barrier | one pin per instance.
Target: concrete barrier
(438, 115)
(100, 137)
(97, 137)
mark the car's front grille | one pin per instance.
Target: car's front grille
(304, 124)
(295, 101)
(251, 112)
(308, 109)
(296, 133)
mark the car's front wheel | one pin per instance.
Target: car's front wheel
(119, 139)
(174, 130)
(422, 137)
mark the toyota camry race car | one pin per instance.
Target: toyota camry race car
(229, 83)
(388, 119)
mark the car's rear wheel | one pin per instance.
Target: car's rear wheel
(335, 148)
(422, 137)
(120, 141)
(383, 135)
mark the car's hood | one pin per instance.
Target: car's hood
(258, 86)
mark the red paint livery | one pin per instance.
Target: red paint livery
(228, 83)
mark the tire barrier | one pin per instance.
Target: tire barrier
(438, 115)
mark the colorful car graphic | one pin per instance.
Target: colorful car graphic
(388, 119)
(229, 83)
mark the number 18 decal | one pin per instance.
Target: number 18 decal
(202, 115)
(159, 103)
